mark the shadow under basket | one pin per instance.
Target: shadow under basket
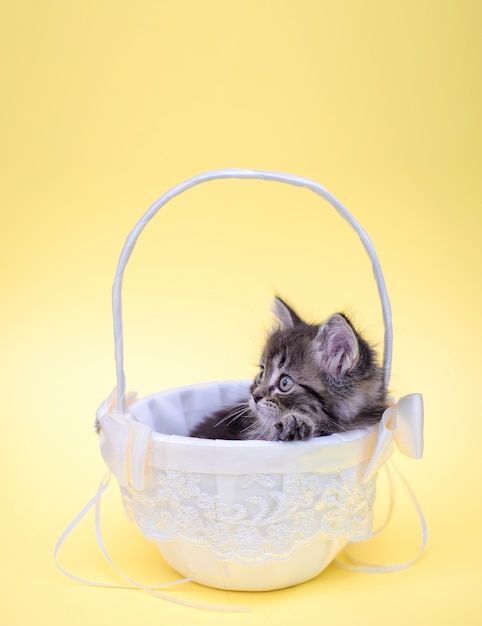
(245, 515)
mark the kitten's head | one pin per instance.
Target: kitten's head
(326, 373)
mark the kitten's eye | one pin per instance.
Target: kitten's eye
(285, 384)
(260, 376)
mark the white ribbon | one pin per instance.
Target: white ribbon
(110, 404)
(401, 423)
(353, 564)
(131, 583)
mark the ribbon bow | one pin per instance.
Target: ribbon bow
(402, 423)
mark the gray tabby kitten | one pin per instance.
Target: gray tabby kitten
(314, 380)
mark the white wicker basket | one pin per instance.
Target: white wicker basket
(245, 515)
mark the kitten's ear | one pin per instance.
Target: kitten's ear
(338, 344)
(285, 314)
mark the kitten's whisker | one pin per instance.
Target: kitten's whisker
(238, 411)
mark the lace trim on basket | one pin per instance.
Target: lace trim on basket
(271, 517)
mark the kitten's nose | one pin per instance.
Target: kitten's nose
(257, 396)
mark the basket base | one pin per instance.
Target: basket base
(198, 563)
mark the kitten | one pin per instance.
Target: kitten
(314, 380)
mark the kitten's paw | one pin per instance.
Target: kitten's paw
(292, 428)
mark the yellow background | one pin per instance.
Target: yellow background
(105, 105)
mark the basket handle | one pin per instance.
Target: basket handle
(289, 179)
